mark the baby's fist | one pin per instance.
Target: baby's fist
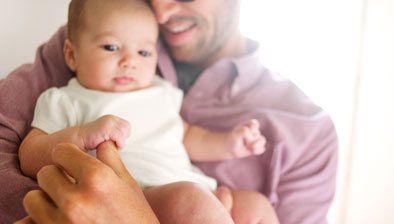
(246, 140)
(105, 128)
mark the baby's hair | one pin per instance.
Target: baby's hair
(75, 13)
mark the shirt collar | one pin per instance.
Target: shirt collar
(248, 67)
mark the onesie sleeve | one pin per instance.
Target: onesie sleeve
(176, 96)
(54, 111)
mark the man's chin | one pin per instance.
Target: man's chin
(180, 55)
(185, 56)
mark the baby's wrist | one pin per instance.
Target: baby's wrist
(228, 143)
(80, 137)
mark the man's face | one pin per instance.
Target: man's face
(198, 32)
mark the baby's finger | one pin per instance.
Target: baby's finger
(248, 136)
(126, 129)
(119, 135)
(120, 143)
(123, 129)
(253, 124)
(254, 127)
(258, 147)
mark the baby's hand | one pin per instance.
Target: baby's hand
(246, 140)
(108, 127)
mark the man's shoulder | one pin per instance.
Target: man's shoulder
(287, 115)
(283, 95)
(283, 101)
(296, 126)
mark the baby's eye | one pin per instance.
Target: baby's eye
(110, 47)
(144, 53)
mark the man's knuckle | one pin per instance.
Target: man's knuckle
(98, 179)
(73, 207)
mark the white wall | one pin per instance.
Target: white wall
(341, 53)
(24, 25)
(371, 189)
(315, 43)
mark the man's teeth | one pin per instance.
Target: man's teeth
(178, 29)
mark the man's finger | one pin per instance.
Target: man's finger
(39, 207)
(55, 183)
(73, 160)
(107, 153)
(26, 220)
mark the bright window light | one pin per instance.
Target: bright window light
(314, 43)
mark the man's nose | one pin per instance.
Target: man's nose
(164, 9)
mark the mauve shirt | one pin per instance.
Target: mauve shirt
(297, 172)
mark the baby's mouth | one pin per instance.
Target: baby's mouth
(124, 80)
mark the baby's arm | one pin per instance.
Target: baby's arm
(203, 145)
(35, 150)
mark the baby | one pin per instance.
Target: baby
(111, 46)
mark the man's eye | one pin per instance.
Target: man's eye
(144, 53)
(111, 47)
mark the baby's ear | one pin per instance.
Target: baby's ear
(69, 55)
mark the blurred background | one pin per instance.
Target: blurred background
(339, 52)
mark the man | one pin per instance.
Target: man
(91, 181)
(224, 83)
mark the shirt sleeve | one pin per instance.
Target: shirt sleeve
(18, 94)
(304, 176)
(54, 111)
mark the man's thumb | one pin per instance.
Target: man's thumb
(107, 153)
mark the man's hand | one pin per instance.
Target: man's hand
(106, 128)
(245, 140)
(100, 190)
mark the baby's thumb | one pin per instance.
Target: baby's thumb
(107, 153)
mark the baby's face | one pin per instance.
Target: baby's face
(115, 49)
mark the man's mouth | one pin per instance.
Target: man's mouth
(179, 29)
(177, 34)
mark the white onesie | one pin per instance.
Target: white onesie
(154, 154)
